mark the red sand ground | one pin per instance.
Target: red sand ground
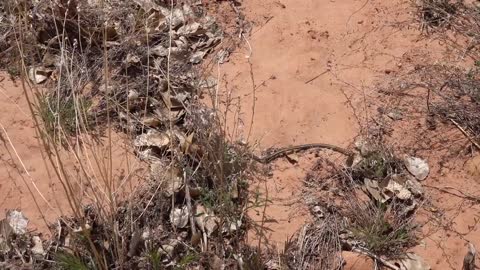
(23, 166)
(347, 46)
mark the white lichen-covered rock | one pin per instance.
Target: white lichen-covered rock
(417, 167)
(17, 221)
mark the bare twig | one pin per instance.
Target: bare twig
(316, 77)
(466, 134)
(462, 195)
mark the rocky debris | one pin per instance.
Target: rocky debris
(417, 167)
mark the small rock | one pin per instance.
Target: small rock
(37, 248)
(17, 221)
(417, 167)
(133, 95)
(177, 17)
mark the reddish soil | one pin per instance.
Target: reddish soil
(27, 180)
(315, 66)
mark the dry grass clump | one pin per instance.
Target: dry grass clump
(133, 65)
(355, 209)
(452, 95)
(438, 13)
(457, 98)
(316, 246)
(151, 233)
(452, 17)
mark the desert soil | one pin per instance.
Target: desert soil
(315, 66)
(28, 181)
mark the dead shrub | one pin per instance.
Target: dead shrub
(452, 19)
(354, 209)
(133, 65)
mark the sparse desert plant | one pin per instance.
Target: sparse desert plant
(381, 229)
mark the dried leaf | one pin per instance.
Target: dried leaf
(151, 121)
(414, 186)
(132, 58)
(394, 189)
(206, 219)
(197, 57)
(179, 217)
(187, 143)
(159, 50)
(223, 56)
(174, 102)
(171, 178)
(38, 75)
(169, 249)
(190, 29)
(147, 5)
(152, 138)
(373, 188)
